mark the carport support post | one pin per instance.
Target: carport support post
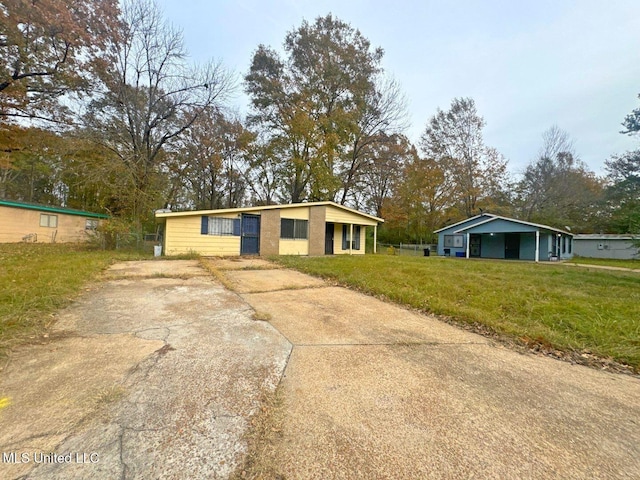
(351, 239)
(375, 238)
(468, 238)
(537, 245)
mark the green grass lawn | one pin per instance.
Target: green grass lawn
(38, 279)
(606, 262)
(567, 308)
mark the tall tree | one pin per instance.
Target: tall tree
(453, 139)
(622, 196)
(49, 48)
(151, 96)
(386, 158)
(320, 106)
(557, 188)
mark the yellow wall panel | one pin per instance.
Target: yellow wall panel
(182, 235)
(300, 213)
(294, 247)
(338, 215)
(17, 223)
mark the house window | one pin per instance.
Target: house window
(90, 224)
(570, 242)
(448, 240)
(346, 237)
(50, 221)
(456, 241)
(223, 226)
(294, 229)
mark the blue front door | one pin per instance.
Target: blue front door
(250, 240)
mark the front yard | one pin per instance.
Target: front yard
(38, 279)
(578, 310)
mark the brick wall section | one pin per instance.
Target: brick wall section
(270, 232)
(317, 219)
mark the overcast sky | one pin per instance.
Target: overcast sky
(527, 64)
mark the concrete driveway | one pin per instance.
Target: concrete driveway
(161, 372)
(372, 390)
(153, 373)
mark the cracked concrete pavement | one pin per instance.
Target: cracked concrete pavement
(373, 390)
(158, 370)
(155, 372)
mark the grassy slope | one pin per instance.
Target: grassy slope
(570, 309)
(37, 279)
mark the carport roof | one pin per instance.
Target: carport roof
(489, 217)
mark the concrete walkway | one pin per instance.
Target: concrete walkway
(372, 390)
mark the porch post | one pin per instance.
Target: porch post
(537, 245)
(375, 238)
(468, 237)
(351, 239)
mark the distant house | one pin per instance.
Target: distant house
(318, 228)
(606, 246)
(26, 222)
(493, 236)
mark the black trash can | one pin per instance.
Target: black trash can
(427, 252)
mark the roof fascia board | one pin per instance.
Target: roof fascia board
(463, 221)
(42, 208)
(265, 207)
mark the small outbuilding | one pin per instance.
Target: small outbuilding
(27, 222)
(623, 247)
(494, 236)
(314, 228)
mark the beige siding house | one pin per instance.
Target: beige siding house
(319, 228)
(25, 222)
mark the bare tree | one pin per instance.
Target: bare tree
(151, 97)
(383, 113)
(557, 188)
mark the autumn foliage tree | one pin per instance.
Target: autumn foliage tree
(474, 173)
(213, 156)
(49, 49)
(320, 106)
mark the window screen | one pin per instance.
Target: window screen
(220, 226)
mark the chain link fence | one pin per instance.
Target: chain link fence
(410, 249)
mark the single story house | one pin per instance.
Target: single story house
(493, 236)
(315, 228)
(27, 222)
(606, 246)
